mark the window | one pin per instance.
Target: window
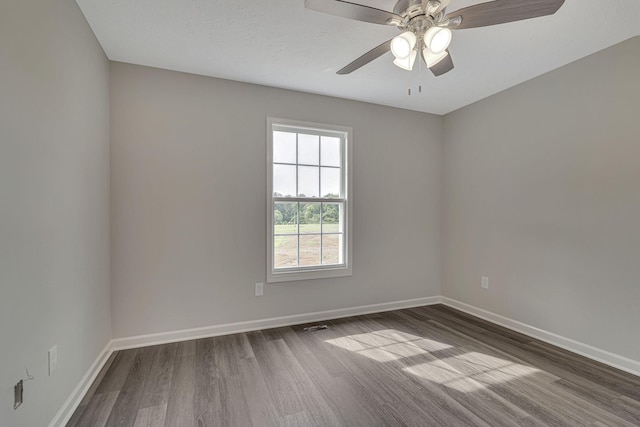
(308, 200)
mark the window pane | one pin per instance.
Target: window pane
(309, 217)
(285, 251)
(284, 180)
(284, 147)
(285, 218)
(332, 218)
(308, 149)
(332, 249)
(330, 151)
(308, 181)
(330, 181)
(309, 250)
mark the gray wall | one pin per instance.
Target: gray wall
(54, 203)
(541, 194)
(189, 205)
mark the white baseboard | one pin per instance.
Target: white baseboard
(76, 396)
(594, 353)
(274, 322)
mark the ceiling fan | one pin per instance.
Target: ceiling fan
(426, 26)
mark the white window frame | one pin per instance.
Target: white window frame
(313, 272)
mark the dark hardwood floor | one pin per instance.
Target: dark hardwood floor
(428, 366)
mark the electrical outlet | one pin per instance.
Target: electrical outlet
(53, 359)
(484, 282)
(259, 289)
(17, 394)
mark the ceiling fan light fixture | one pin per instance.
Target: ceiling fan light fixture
(437, 39)
(431, 58)
(406, 63)
(402, 45)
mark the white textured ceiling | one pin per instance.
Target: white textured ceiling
(280, 43)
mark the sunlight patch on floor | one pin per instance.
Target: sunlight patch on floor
(476, 371)
(387, 345)
(466, 372)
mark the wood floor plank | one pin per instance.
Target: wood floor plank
(424, 366)
(124, 411)
(291, 389)
(92, 390)
(611, 378)
(374, 388)
(616, 406)
(261, 406)
(151, 416)
(234, 406)
(180, 408)
(97, 411)
(584, 406)
(350, 405)
(207, 389)
(77, 414)
(628, 409)
(228, 351)
(117, 372)
(158, 384)
(187, 348)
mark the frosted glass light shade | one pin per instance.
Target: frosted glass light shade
(431, 58)
(437, 39)
(402, 45)
(406, 63)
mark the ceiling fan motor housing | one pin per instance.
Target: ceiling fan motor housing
(414, 17)
(408, 7)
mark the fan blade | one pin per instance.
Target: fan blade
(374, 53)
(503, 11)
(355, 11)
(443, 66)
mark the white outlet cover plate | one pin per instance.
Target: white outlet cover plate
(53, 359)
(259, 289)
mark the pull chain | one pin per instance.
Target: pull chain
(419, 72)
(419, 90)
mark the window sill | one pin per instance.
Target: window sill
(291, 276)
